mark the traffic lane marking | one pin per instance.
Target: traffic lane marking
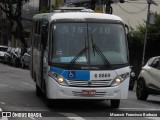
(74, 116)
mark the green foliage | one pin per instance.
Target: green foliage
(12, 8)
(153, 31)
(138, 33)
(44, 10)
(13, 1)
(152, 45)
(13, 11)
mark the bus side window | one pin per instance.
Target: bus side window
(34, 32)
(37, 28)
(44, 32)
(38, 36)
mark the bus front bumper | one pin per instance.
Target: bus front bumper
(56, 91)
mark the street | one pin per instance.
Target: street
(17, 93)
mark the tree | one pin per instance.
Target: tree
(152, 46)
(13, 11)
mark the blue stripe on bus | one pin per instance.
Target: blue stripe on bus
(56, 70)
(78, 75)
(72, 74)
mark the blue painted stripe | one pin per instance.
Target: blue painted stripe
(56, 70)
(77, 74)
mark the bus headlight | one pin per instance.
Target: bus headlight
(119, 79)
(58, 78)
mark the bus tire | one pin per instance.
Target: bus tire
(115, 103)
(38, 91)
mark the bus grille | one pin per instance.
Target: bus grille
(91, 83)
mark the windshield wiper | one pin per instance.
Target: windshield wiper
(103, 57)
(79, 54)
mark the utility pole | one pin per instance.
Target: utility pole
(147, 23)
(93, 2)
(145, 37)
(50, 5)
(108, 7)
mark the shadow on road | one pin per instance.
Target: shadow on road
(153, 101)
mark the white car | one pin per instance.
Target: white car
(149, 79)
(3, 50)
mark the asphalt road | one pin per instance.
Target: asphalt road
(17, 94)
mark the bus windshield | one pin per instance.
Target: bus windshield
(88, 43)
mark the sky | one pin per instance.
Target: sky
(134, 12)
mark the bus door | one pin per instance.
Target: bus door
(37, 53)
(42, 57)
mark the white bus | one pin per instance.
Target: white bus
(80, 55)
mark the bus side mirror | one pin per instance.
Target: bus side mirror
(44, 36)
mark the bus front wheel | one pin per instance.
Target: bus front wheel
(115, 103)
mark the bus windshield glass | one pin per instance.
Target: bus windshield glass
(75, 42)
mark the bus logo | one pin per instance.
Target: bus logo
(89, 83)
(71, 74)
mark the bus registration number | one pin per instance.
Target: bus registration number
(88, 92)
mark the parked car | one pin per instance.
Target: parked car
(25, 60)
(16, 57)
(132, 79)
(7, 56)
(149, 79)
(3, 50)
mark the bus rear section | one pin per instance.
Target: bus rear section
(85, 57)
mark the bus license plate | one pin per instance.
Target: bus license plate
(88, 92)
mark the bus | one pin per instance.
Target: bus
(80, 55)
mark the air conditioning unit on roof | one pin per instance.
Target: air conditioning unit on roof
(73, 9)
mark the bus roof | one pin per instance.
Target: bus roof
(75, 15)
